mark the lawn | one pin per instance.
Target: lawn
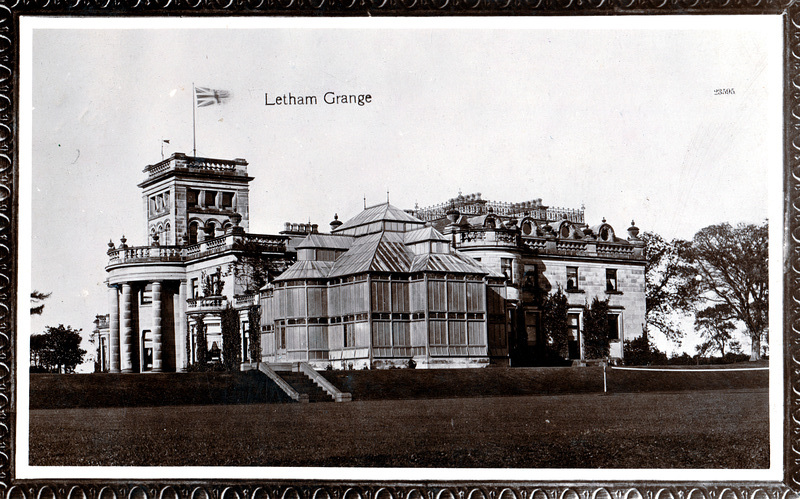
(686, 429)
(53, 391)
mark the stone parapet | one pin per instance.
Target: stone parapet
(126, 255)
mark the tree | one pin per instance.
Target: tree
(254, 331)
(715, 324)
(36, 297)
(61, 350)
(38, 347)
(732, 269)
(595, 330)
(231, 341)
(667, 284)
(554, 323)
(256, 265)
(640, 352)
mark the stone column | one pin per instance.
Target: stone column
(181, 360)
(113, 329)
(127, 344)
(157, 361)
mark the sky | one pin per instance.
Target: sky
(624, 121)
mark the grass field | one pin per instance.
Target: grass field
(724, 428)
(53, 391)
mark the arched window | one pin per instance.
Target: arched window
(193, 232)
(152, 234)
(212, 229)
(166, 233)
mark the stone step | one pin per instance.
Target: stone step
(303, 384)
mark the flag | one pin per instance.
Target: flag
(209, 96)
(166, 141)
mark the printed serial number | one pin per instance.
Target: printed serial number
(724, 91)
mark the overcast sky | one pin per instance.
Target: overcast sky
(624, 121)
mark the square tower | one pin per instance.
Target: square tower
(188, 199)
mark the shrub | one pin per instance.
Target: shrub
(595, 330)
(202, 344)
(231, 341)
(254, 330)
(554, 325)
(639, 352)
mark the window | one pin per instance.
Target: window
(613, 327)
(192, 198)
(572, 278)
(227, 200)
(210, 198)
(531, 326)
(505, 267)
(193, 233)
(611, 280)
(527, 228)
(195, 288)
(348, 336)
(245, 345)
(531, 279)
(282, 337)
(147, 351)
(573, 335)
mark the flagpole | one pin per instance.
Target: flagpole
(194, 126)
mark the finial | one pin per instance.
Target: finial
(110, 244)
(365, 201)
(336, 222)
(633, 231)
(604, 219)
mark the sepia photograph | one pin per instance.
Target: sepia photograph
(402, 248)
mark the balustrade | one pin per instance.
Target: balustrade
(215, 302)
(144, 254)
(246, 299)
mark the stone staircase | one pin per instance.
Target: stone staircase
(303, 384)
(300, 382)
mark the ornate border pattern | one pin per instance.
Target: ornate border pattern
(22, 489)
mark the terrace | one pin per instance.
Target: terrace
(125, 255)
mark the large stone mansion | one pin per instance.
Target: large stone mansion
(451, 285)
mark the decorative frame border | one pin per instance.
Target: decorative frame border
(13, 488)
